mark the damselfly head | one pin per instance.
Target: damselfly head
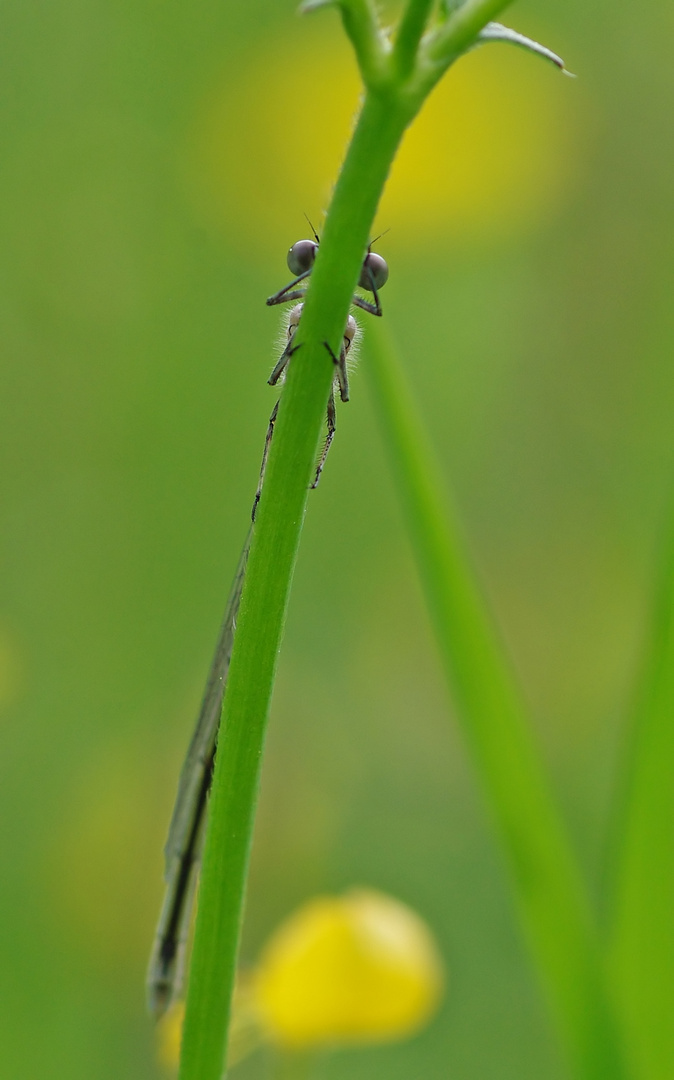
(302, 256)
(374, 272)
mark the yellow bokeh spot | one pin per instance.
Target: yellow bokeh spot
(169, 1036)
(487, 156)
(357, 968)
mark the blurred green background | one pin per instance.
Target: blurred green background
(157, 161)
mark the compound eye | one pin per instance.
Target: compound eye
(375, 269)
(302, 256)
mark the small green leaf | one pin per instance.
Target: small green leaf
(494, 31)
(546, 878)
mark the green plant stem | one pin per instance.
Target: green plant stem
(389, 106)
(362, 27)
(360, 24)
(265, 595)
(547, 884)
(641, 945)
(447, 41)
(412, 26)
(462, 28)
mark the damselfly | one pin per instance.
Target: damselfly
(183, 846)
(301, 259)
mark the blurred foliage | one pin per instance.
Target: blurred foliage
(157, 162)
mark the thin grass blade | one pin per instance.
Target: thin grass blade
(546, 881)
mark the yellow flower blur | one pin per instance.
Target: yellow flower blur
(169, 1035)
(489, 154)
(356, 968)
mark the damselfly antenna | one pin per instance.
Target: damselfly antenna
(312, 229)
(378, 237)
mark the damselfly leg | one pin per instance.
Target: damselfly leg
(373, 276)
(341, 381)
(332, 427)
(265, 455)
